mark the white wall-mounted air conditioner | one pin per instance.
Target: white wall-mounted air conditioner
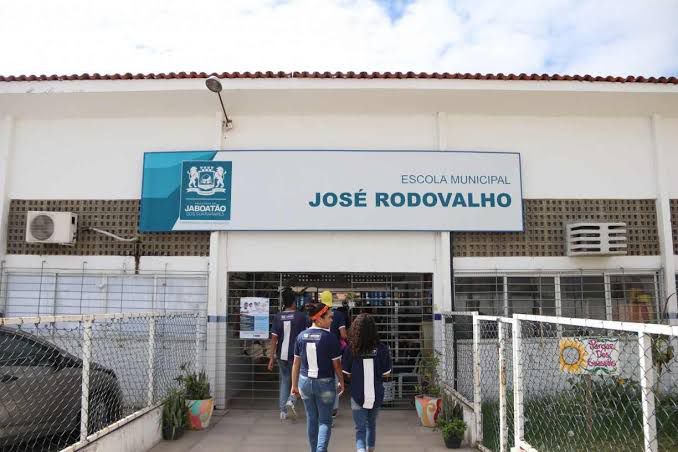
(51, 227)
(595, 239)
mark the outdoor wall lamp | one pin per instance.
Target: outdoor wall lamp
(213, 84)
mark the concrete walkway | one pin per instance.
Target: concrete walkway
(262, 431)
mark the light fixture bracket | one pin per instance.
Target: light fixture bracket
(214, 84)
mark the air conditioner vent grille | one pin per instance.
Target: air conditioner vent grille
(595, 239)
(42, 227)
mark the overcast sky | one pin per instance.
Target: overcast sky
(599, 37)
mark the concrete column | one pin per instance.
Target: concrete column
(664, 220)
(6, 147)
(216, 300)
(216, 316)
(442, 297)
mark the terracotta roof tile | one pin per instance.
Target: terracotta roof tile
(343, 75)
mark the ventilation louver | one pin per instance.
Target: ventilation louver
(595, 239)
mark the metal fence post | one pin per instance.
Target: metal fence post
(86, 361)
(3, 285)
(477, 394)
(503, 427)
(608, 296)
(453, 358)
(151, 361)
(198, 349)
(518, 419)
(441, 347)
(559, 303)
(647, 378)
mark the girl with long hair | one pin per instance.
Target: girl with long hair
(367, 361)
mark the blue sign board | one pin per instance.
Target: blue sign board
(337, 190)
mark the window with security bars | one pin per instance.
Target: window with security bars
(626, 297)
(483, 294)
(583, 297)
(51, 291)
(633, 298)
(524, 295)
(531, 295)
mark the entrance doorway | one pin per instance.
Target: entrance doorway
(400, 302)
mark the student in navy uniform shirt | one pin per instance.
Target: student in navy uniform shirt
(286, 327)
(317, 361)
(338, 328)
(339, 325)
(367, 361)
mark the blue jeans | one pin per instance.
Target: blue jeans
(318, 396)
(285, 373)
(336, 398)
(365, 426)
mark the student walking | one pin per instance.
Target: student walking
(367, 361)
(338, 328)
(317, 361)
(339, 325)
(286, 327)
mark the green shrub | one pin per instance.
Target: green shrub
(173, 413)
(452, 428)
(196, 385)
(428, 376)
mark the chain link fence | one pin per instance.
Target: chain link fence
(66, 380)
(562, 384)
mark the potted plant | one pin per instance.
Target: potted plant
(451, 423)
(428, 401)
(199, 401)
(173, 417)
(452, 430)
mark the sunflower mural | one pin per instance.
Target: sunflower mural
(573, 355)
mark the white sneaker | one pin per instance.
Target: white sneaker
(283, 416)
(291, 409)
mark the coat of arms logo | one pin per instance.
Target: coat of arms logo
(206, 180)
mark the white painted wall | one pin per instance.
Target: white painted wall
(562, 157)
(567, 157)
(139, 435)
(100, 158)
(327, 131)
(6, 147)
(668, 130)
(331, 251)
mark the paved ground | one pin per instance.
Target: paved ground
(262, 431)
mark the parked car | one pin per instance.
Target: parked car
(41, 393)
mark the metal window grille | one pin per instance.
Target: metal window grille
(625, 294)
(51, 291)
(400, 302)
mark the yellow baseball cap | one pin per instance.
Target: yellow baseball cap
(326, 298)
